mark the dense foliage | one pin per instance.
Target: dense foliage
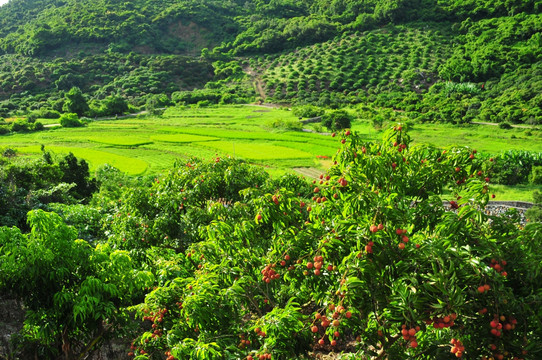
(215, 260)
(452, 61)
(27, 184)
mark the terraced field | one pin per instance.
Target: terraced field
(149, 145)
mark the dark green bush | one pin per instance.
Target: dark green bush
(514, 167)
(37, 126)
(70, 120)
(337, 120)
(307, 111)
(536, 175)
(21, 126)
(534, 214)
(49, 114)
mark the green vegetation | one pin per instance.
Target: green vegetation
(445, 61)
(216, 260)
(113, 228)
(31, 184)
(534, 214)
(152, 144)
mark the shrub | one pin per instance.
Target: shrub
(337, 120)
(285, 124)
(49, 114)
(70, 120)
(9, 153)
(37, 126)
(505, 125)
(536, 175)
(21, 126)
(534, 214)
(374, 254)
(31, 118)
(307, 111)
(514, 167)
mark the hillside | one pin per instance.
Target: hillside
(452, 61)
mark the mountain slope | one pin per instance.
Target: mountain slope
(158, 26)
(440, 60)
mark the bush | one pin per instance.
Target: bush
(283, 275)
(337, 120)
(70, 120)
(536, 175)
(9, 153)
(534, 214)
(285, 124)
(31, 118)
(49, 114)
(505, 125)
(514, 167)
(37, 126)
(307, 111)
(21, 126)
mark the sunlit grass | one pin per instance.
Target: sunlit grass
(95, 158)
(257, 151)
(119, 140)
(152, 144)
(521, 192)
(182, 138)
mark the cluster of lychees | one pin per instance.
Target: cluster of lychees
(318, 264)
(457, 348)
(499, 323)
(442, 321)
(259, 332)
(156, 318)
(244, 342)
(263, 356)
(498, 266)
(368, 248)
(409, 334)
(269, 273)
(334, 319)
(404, 238)
(169, 356)
(502, 354)
(400, 147)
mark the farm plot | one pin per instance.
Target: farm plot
(258, 151)
(95, 158)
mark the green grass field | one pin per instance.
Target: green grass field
(148, 145)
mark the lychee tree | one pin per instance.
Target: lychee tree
(376, 265)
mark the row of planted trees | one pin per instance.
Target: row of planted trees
(216, 261)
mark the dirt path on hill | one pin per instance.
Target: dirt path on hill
(259, 88)
(256, 81)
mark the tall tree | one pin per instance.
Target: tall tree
(75, 102)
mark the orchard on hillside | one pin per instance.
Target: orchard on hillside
(373, 264)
